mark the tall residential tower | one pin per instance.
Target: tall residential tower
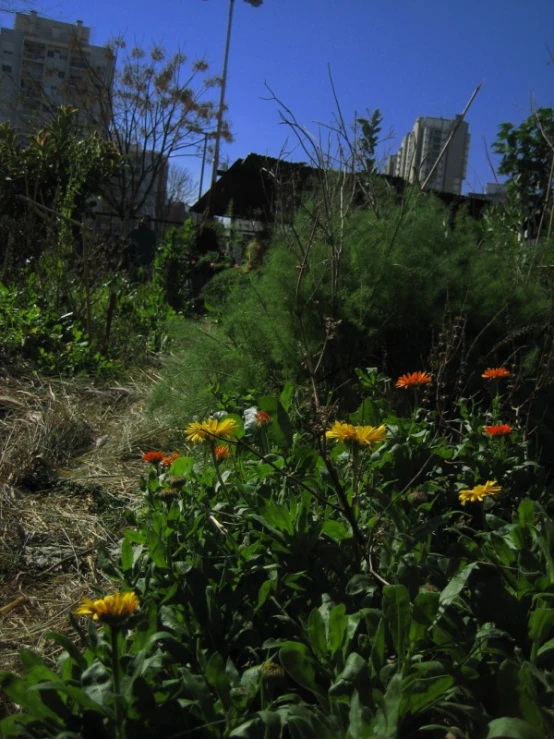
(46, 63)
(420, 150)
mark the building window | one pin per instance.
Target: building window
(61, 74)
(6, 68)
(50, 53)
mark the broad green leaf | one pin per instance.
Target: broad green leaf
(385, 723)
(354, 675)
(280, 428)
(182, 467)
(526, 512)
(396, 609)
(286, 395)
(547, 647)
(377, 657)
(338, 624)
(541, 621)
(218, 678)
(457, 584)
(425, 609)
(71, 648)
(359, 719)
(278, 517)
(17, 689)
(317, 633)
(336, 530)
(156, 549)
(263, 593)
(264, 723)
(512, 728)
(421, 693)
(126, 555)
(297, 661)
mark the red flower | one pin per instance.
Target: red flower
(168, 461)
(493, 373)
(501, 430)
(262, 418)
(221, 452)
(153, 457)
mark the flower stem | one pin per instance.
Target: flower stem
(217, 472)
(120, 731)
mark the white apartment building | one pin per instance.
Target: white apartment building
(421, 148)
(45, 63)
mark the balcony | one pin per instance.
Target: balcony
(34, 51)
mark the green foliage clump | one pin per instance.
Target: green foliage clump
(383, 295)
(293, 585)
(527, 153)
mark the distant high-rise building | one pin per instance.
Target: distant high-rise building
(46, 63)
(421, 148)
(496, 190)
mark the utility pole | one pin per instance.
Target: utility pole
(221, 106)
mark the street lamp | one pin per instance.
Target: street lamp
(256, 4)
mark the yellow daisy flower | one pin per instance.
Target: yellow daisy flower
(366, 435)
(112, 609)
(479, 492)
(341, 432)
(211, 429)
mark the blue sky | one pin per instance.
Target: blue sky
(407, 58)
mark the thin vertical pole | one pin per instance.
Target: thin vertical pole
(203, 165)
(221, 105)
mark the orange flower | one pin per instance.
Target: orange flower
(168, 461)
(412, 379)
(153, 457)
(221, 452)
(501, 430)
(262, 418)
(493, 373)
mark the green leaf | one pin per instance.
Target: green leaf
(286, 395)
(359, 719)
(126, 555)
(385, 724)
(547, 647)
(338, 624)
(354, 675)
(421, 693)
(426, 606)
(512, 728)
(280, 428)
(457, 584)
(182, 467)
(526, 512)
(218, 678)
(396, 609)
(541, 622)
(317, 634)
(297, 661)
(72, 649)
(377, 657)
(336, 530)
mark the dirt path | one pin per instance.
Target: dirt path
(70, 460)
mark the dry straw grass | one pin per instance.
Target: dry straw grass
(70, 459)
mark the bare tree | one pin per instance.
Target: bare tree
(152, 110)
(181, 185)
